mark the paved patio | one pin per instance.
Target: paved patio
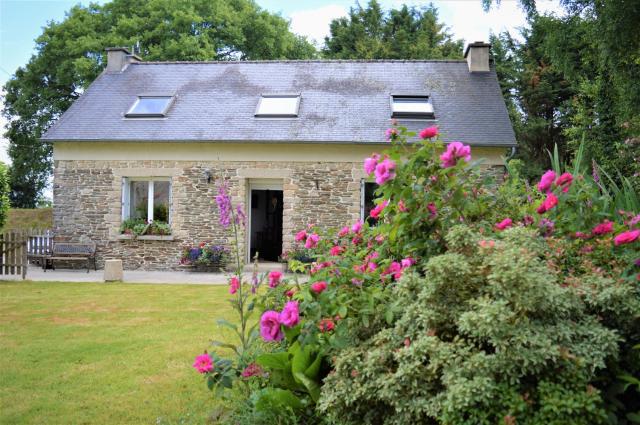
(35, 273)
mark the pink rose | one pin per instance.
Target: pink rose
(301, 235)
(370, 165)
(375, 213)
(603, 228)
(343, 232)
(401, 206)
(371, 266)
(336, 250)
(356, 282)
(565, 181)
(290, 315)
(507, 222)
(203, 363)
(581, 235)
(372, 256)
(407, 262)
(252, 369)
(312, 241)
(385, 171)
(546, 181)
(326, 325)
(234, 285)
(550, 201)
(319, 287)
(455, 150)
(270, 326)
(429, 132)
(357, 227)
(626, 237)
(274, 278)
(433, 211)
(391, 134)
(394, 269)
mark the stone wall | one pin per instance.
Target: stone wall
(87, 202)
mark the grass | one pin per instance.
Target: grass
(25, 219)
(82, 353)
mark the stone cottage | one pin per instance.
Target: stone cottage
(152, 141)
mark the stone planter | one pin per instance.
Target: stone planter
(204, 268)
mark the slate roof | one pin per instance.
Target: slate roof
(342, 101)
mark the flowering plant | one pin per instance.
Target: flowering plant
(204, 253)
(468, 301)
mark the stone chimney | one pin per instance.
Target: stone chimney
(477, 56)
(118, 58)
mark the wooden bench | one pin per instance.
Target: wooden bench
(65, 251)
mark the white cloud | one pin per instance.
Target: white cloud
(467, 19)
(314, 23)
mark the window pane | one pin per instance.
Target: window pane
(369, 197)
(278, 105)
(139, 200)
(161, 201)
(150, 105)
(418, 105)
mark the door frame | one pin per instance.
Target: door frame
(258, 184)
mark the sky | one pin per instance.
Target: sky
(21, 22)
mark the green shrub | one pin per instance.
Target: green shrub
(486, 334)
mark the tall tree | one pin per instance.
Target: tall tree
(404, 33)
(595, 48)
(70, 55)
(537, 96)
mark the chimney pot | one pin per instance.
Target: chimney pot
(118, 58)
(477, 56)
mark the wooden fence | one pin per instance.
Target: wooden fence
(18, 247)
(13, 253)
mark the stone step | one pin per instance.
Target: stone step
(266, 266)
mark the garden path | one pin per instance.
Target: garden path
(35, 273)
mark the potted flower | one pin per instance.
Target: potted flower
(204, 257)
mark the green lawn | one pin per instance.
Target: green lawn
(82, 353)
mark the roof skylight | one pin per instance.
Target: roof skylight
(278, 105)
(150, 106)
(408, 106)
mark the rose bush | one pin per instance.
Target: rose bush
(470, 301)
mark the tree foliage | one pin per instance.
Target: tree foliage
(404, 33)
(70, 55)
(574, 78)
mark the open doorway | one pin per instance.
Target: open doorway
(266, 224)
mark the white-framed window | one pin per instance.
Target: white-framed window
(367, 196)
(148, 199)
(411, 106)
(283, 105)
(150, 107)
